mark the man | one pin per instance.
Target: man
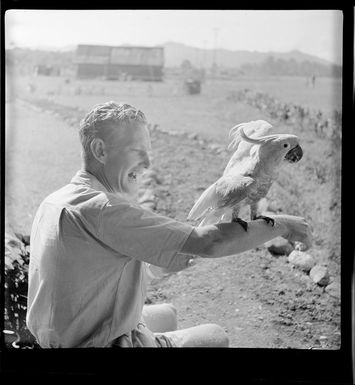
(93, 247)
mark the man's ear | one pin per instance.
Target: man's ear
(98, 150)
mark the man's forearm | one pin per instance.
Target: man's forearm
(235, 240)
(230, 238)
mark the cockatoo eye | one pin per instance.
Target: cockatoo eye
(285, 145)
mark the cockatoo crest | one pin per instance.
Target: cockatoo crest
(243, 131)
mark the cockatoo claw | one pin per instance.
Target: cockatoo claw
(241, 222)
(266, 219)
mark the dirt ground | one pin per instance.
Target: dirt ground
(259, 299)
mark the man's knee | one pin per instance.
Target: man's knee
(171, 308)
(205, 335)
(217, 335)
(171, 314)
(160, 317)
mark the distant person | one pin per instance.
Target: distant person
(313, 80)
(93, 247)
(150, 90)
(31, 88)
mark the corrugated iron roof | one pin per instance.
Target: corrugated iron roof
(135, 55)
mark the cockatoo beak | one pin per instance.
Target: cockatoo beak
(295, 154)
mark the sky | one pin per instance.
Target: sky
(316, 32)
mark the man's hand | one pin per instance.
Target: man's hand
(295, 229)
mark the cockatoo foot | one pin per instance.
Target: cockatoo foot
(266, 219)
(241, 222)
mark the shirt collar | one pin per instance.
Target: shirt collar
(83, 177)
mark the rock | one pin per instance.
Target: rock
(273, 207)
(224, 153)
(73, 121)
(147, 181)
(24, 238)
(152, 174)
(13, 240)
(319, 275)
(333, 289)
(299, 246)
(214, 147)
(263, 205)
(193, 136)
(279, 246)
(141, 191)
(148, 196)
(301, 260)
(149, 205)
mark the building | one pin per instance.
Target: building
(136, 63)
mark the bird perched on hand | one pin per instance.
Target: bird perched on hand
(248, 175)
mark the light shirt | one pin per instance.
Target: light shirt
(89, 254)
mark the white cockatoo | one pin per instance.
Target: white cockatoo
(248, 175)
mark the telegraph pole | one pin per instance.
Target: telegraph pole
(204, 53)
(214, 65)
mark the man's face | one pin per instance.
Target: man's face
(127, 156)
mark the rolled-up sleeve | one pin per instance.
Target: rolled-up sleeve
(141, 234)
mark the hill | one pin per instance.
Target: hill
(176, 53)
(242, 62)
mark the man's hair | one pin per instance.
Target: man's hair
(102, 118)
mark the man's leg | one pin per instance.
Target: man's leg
(205, 335)
(160, 318)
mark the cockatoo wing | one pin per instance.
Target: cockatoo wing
(214, 216)
(223, 194)
(206, 202)
(232, 189)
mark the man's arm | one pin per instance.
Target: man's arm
(224, 239)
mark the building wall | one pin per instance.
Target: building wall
(114, 71)
(88, 70)
(137, 56)
(136, 72)
(141, 63)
